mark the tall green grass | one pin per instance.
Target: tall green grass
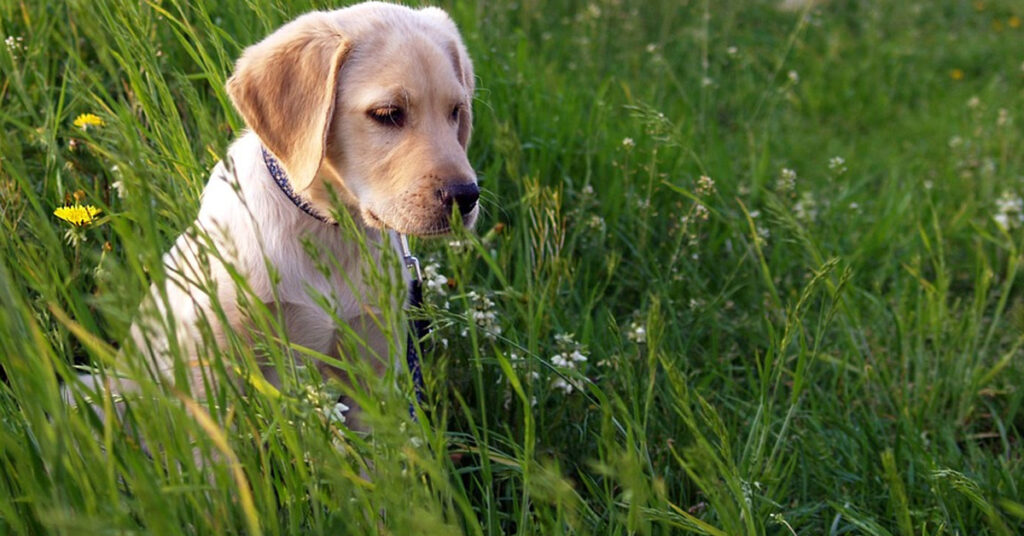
(832, 349)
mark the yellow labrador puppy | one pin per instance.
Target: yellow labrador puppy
(370, 105)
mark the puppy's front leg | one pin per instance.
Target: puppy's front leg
(368, 348)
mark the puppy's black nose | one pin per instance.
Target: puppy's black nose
(465, 195)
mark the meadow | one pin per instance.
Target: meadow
(739, 271)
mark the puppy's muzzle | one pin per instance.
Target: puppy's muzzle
(463, 195)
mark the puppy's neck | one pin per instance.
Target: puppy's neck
(327, 191)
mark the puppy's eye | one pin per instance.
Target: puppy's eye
(455, 114)
(391, 116)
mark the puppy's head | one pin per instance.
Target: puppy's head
(373, 101)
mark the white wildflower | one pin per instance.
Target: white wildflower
(565, 339)
(787, 181)
(337, 413)
(732, 51)
(837, 165)
(705, 186)
(637, 333)
(1003, 118)
(628, 143)
(15, 45)
(1009, 211)
(973, 102)
(569, 358)
(1010, 202)
(763, 233)
(483, 315)
(433, 279)
(806, 208)
(563, 385)
(793, 76)
(988, 166)
(458, 246)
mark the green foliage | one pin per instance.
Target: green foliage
(823, 338)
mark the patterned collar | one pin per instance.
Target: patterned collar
(281, 178)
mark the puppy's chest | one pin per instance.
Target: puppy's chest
(327, 278)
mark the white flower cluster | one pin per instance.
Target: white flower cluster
(15, 45)
(806, 208)
(459, 246)
(484, 316)
(1003, 118)
(433, 279)
(837, 165)
(705, 186)
(637, 332)
(1009, 211)
(569, 359)
(763, 233)
(787, 181)
(701, 212)
(326, 404)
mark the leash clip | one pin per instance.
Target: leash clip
(408, 258)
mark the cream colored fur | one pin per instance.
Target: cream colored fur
(312, 93)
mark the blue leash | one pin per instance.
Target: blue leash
(418, 328)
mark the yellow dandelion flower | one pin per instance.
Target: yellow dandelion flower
(85, 121)
(1014, 22)
(77, 215)
(956, 74)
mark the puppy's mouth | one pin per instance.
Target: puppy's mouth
(372, 220)
(438, 226)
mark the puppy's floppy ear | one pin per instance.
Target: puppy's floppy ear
(285, 88)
